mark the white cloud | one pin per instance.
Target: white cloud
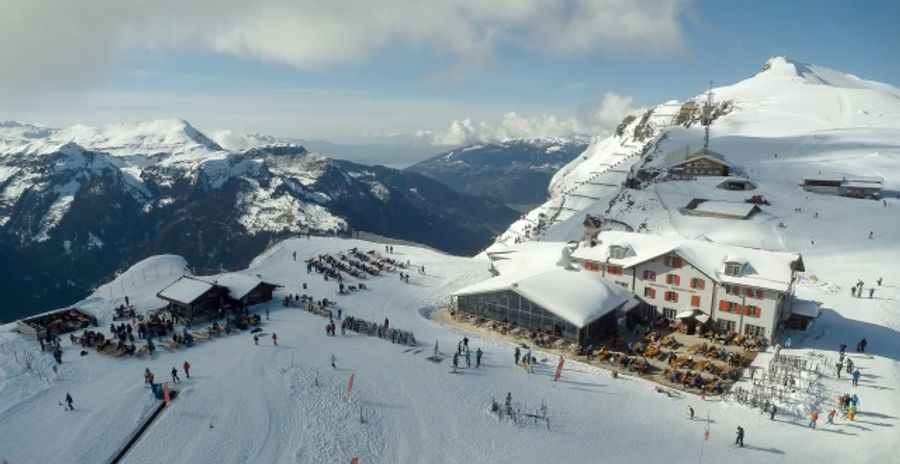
(596, 119)
(48, 45)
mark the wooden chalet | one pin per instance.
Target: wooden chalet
(689, 162)
(191, 297)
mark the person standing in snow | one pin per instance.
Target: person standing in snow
(878, 281)
(295, 255)
(862, 344)
(343, 327)
(466, 343)
(849, 366)
(175, 378)
(274, 339)
(772, 412)
(813, 418)
(856, 375)
(455, 360)
(838, 368)
(187, 369)
(255, 339)
(69, 406)
(148, 376)
(478, 354)
(517, 354)
(853, 291)
(740, 437)
(509, 403)
(333, 360)
(468, 359)
(871, 233)
(871, 292)
(831, 413)
(691, 411)
(459, 348)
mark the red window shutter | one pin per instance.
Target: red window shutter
(677, 262)
(701, 284)
(760, 294)
(677, 279)
(695, 300)
(652, 293)
(757, 312)
(735, 290)
(723, 306)
(675, 297)
(748, 292)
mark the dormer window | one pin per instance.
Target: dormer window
(734, 269)
(617, 252)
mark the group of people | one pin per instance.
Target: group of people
(374, 329)
(857, 289)
(462, 350)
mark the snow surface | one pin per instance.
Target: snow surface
(185, 290)
(264, 404)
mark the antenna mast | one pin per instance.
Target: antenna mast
(707, 113)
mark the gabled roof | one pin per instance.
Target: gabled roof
(688, 154)
(764, 269)
(238, 285)
(185, 290)
(579, 297)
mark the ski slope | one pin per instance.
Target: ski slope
(261, 403)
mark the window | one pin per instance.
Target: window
(649, 292)
(669, 313)
(732, 289)
(698, 283)
(591, 266)
(752, 311)
(754, 330)
(729, 307)
(726, 326)
(749, 292)
(695, 301)
(734, 269)
(673, 279)
(650, 275)
(617, 252)
(760, 294)
(671, 296)
(674, 261)
(614, 270)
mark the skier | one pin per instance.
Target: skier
(466, 343)
(274, 339)
(838, 368)
(853, 291)
(740, 437)
(468, 359)
(478, 354)
(255, 339)
(295, 255)
(343, 327)
(187, 369)
(459, 347)
(871, 292)
(849, 366)
(843, 348)
(333, 360)
(772, 412)
(851, 412)
(862, 344)
(455, 360)
(175, 378)
(148, 376)
(878, 281)
(69, 406)
(387, 323)
(509, 403)
(856, 375)
(831, 413)
(813, 418)
(517, 354)
(871, 233)
(691, 410)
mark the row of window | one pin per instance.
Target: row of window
(672, 296)
(675, 279)
(749, 329)
(735, 308)
(748, 292)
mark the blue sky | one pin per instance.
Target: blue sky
(397, 78)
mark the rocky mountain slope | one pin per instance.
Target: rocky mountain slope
(515, 171)
(76, 204)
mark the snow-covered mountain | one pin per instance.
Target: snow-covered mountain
(788, 121)
(515, 171)
(76, 204)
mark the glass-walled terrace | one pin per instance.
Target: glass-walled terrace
(510, 307)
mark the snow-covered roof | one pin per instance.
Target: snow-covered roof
(729, 208)
(577, 296)
(185, 290)
(861, 184)
(763, 269)
(688, 154)
(238, 285)
(806, 308)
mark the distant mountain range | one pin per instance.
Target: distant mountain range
(77, 204)
(515, 172)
